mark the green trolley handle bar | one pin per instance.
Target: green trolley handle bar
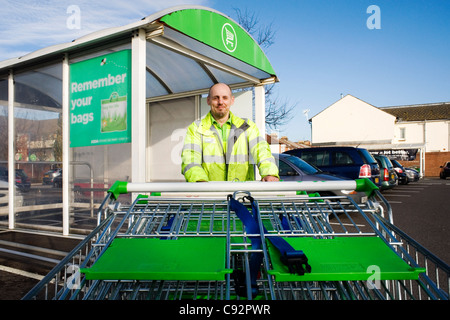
(360, 185)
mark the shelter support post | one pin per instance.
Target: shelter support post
(260, 114)
(260, 109)
(65, 146)
(139, 111)
(11, 146)
(422, 162)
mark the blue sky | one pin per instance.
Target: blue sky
(322, 48)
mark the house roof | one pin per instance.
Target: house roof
(416, 112)
(273, 139)
(420, 112)
(345, 98)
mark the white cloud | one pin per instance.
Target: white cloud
(28, 25)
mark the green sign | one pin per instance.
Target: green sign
(221, 33)
(100, 100)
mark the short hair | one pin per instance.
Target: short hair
(209, 91)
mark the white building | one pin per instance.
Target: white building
(353, 122)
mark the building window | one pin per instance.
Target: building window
(402, 134)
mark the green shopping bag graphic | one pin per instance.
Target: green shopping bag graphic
(114, 113)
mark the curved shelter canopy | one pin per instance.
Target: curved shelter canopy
(199, 48)
(189, 48)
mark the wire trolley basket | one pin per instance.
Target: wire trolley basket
(246, 241)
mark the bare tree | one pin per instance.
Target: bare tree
(3, 133)
(263, 34)
(278, 112)
(58, 145)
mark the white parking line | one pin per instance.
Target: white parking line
(410, 187)
(21, 272)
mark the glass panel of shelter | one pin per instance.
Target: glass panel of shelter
(4, 192)
(38, 144)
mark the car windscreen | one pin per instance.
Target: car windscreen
(389, 163)
(396, 163)
(367, 156)
(302, 165)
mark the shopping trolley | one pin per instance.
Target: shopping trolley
(245, 240)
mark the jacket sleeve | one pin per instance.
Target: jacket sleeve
(261, 154)
(191, 156)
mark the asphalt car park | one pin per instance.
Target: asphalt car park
(419, 211)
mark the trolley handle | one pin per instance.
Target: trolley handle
(298, 187)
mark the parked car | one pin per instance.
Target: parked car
(57, 181)
(50, 175)
(22, 180)
(412, 174)
(389, 177)
(401, 173)
(347, 162)
(445, 171)
(292, 168)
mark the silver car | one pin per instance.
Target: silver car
(412, 174)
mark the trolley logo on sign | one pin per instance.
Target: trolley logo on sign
(229, 37)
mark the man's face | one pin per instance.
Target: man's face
(220, 100)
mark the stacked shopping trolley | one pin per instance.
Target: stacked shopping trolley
(246, 240)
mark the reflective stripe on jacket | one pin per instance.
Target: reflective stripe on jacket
(203, 156)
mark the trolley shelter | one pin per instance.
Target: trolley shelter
(112, 108)
(115, 104)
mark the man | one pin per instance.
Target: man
(222, 146)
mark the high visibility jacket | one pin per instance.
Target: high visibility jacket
(203, 156)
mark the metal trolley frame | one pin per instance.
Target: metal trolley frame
(175, 211)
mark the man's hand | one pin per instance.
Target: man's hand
(270, 178)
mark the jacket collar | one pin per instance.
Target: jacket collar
(207, 122)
